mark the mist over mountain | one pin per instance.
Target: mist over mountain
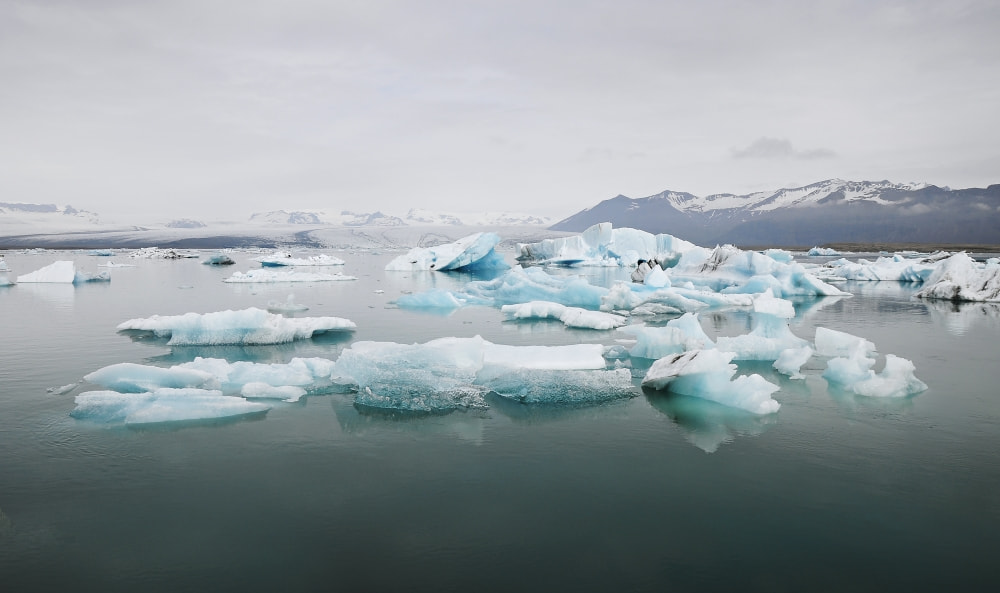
(831, 211)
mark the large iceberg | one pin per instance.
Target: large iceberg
(769, 336)
(268, 276)
(244, 327)
(63, 272)
(961, 278)
(575, 317)
(453, 373)
(161, 405)
(602, 245)
(896, 268)
(708, 374)
(475, 252)
(851, 369)
(288, 382)
(679, 335)
(517, 285)
(284, 258)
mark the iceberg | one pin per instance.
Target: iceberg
(62, 272)
(475, 252)
(161, 405)
(570, 316)
(679, 335)
(456, 373)
(830, 342)
(283, 258)
(822, 252)
(267, 276)
(708, 374)
(729, 269)
(219, 259)
(4, 281)
(602, 245)
(855, 374)
(791, 360)
(244, 327)
(517, 285)
(288, 382)
(157, 253)
(961, 278)
(770, 335)
(896, 268)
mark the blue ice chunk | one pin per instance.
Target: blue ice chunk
(161, 405)
(475, 252)
(708, 374)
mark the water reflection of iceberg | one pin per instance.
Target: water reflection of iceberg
(61, 296)
(706, 424)
(958, 317)
(466, 425)
(522, 413)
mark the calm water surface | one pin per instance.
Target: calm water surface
(657, 492)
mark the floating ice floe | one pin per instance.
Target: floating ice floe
(728, 269)
(679, 335)
(283, 258)
(451, 373)
(287, 382)
(219, 259)
(475, 252)
(243, 327)
(708, 374)
(896, 268)
(113, 264)
(63, 272)
(790, 361)
(157, 253)
(770, 334)
(961, 278)
(161, 405)
(822, 251)
(602, 245)
(851, 369)
(269, 276)
(570, 316)
(517, 285)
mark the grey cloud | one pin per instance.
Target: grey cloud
(779, 148)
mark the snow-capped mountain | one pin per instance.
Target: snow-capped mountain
(416, 216)
(12, 214)
(829, 211)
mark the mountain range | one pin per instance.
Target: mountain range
(831, 211)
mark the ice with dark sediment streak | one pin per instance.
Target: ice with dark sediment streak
(161, 405)
(474, 252)
(708, 374)
(243, 327)
(602, 245)
(454, 373)
(961, 278)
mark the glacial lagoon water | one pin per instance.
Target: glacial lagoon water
(655, 492)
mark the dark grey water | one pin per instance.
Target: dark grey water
(834, 492)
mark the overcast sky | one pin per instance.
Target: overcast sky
(215, 109)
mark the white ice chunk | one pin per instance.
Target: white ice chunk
(473, 252)
(831, 342)
(132, 378)
(679, 335)
(283, 258)
(770, 334)
(822, 251)
(960, 278)
(262, 276)
(258, 390)
(791, 360)
(708, 374)
(245, 327)
(601, 245)
(161, 405)
(897, 268)
(63, 272)
(575, 317)
(854, 373)
(451, 373)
